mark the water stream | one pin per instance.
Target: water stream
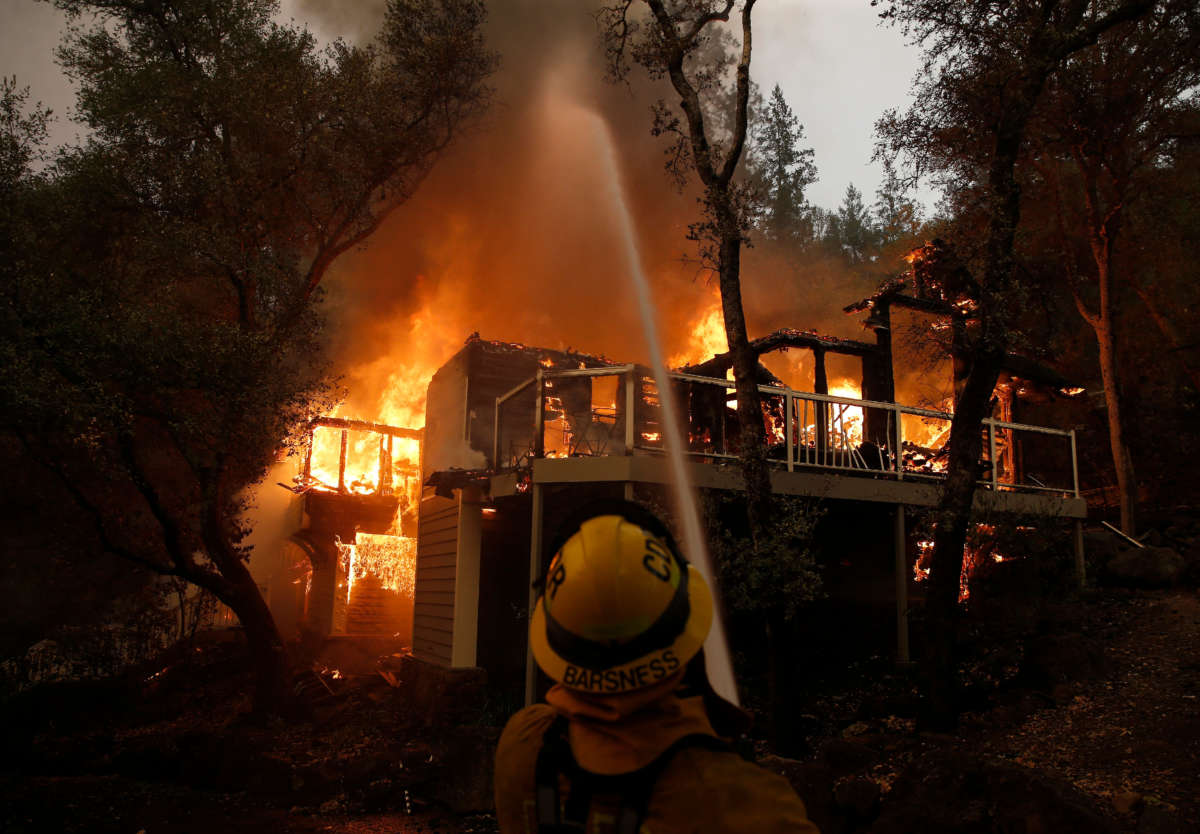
(716, 647)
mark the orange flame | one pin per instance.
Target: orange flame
(706, 339)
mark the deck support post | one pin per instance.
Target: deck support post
(901, 554)
(535, 559)
(1080, 564)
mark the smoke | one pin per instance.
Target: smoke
(507, 237)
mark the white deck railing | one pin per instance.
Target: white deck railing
(805, 430)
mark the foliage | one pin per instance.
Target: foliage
(986, 66)
(780, 169)
(162, 335)
(134, 628)
(775, 575)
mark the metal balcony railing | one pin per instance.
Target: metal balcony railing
(614, 411)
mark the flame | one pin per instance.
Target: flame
(390, 559)
(706, 340)
(379, 573)
(980, 549)
(846, 422)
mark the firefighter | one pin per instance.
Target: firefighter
(625, 742)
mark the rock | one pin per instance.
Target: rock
(844, 757)
(1054, 659)
(1125, 801)
(1160, 818)
(858, 797)
(443, 697)
(1152, 539)
(858, 728)
(1147, 567)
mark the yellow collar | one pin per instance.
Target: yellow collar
(620, 733)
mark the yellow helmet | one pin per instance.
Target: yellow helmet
(621, 609)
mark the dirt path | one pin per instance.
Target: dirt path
(1133, 739)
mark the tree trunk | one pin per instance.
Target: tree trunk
(272, 666)
(1122, 460)
(268, 654)
(952, 518)
(753, 449)
(1104, 230)
(984, 353)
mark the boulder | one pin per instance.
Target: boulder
(1160, 818)
(1147, 567)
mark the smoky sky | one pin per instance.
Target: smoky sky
(511, 234)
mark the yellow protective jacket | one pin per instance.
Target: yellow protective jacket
(700, 790)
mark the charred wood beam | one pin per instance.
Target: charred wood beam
(893, 294)
(722, 362)
(1034, 371)
(365, 425)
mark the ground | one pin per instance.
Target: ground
(1096, 729)
(1136, 734)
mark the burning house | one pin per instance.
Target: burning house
(452, 533)
(348, 570)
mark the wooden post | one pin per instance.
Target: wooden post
(789, 405)
(342, 461)
(1080, 563)
(312, 439)
(630, 399)
(535, 566)
(991, 424)
(821, 386)
(539, 427)
(1074, 465)
(901, 554)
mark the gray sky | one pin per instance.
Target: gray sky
(838, 69)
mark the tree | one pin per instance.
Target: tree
(667, 41)
(162, 330)
(897, 218)
(855, 235)
(781, 169)
(1103, 126)
(986, 65)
